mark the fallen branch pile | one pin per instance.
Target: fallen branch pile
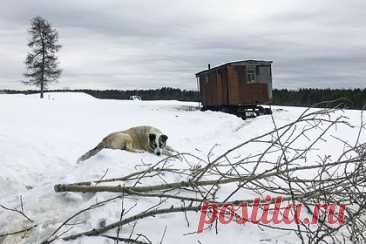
(283, 162)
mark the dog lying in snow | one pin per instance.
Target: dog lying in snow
(136, 139)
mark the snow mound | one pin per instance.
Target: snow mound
(40, 141)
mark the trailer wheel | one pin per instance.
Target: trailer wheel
(260, 111)
(267, 111)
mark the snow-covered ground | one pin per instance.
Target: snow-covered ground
(40, 141)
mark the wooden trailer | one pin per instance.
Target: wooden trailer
(238, 87)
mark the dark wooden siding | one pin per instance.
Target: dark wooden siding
(223, 87)
(253, 93)
(220, 83)
(233, 85)
(228, 85)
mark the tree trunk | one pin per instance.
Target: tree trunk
(42, 89)
(43, 63)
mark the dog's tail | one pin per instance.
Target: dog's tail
(91, 153)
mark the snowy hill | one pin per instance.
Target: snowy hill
(40, 141)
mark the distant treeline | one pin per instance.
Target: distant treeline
(165, 93)
(352, 98)
(356, 98)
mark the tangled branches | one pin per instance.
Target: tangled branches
(282, 162)
(29, 224)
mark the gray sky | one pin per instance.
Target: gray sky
(126, 44)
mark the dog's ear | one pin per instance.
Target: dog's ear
(152, 137)
(164, 138)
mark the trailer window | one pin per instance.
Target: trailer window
(251, 75)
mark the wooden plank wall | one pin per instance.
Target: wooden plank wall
(228, 86)
(233, 85)
(225, 87)
(253, 93)
(212, 89)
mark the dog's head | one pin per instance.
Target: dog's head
(157, 143)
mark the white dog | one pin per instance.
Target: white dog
(136, 139)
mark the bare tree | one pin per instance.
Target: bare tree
(41, 61)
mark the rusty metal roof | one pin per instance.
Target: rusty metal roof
(243, 62)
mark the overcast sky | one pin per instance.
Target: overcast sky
(127, 44)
